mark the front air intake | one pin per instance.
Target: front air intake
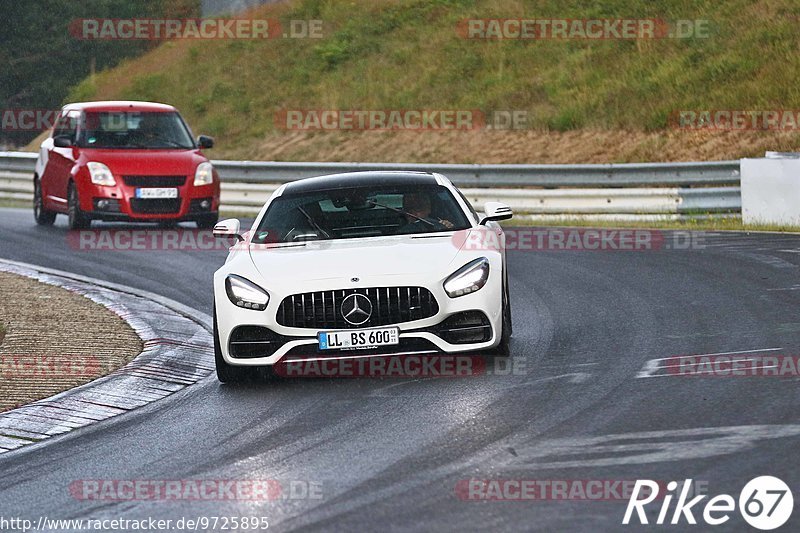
(389, 305)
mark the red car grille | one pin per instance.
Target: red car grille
(160, 206)
(154, 181)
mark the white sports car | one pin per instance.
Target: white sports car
(361, 264)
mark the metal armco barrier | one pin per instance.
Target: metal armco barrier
(630, 189)
(609, 175)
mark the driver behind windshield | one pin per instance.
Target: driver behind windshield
(419, 215)
(148, 130)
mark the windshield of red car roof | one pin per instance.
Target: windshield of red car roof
(134, 130)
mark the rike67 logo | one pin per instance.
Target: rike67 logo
(765, 503)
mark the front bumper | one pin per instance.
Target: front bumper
(119, 202)
(434, 334)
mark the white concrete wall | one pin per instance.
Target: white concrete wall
(771, 191)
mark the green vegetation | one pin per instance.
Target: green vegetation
(41, 58)
(407, 54)
(692, 224)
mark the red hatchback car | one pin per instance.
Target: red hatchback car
(132, 161)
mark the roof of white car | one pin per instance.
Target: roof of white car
(360, 179)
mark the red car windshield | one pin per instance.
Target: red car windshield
(135, 129)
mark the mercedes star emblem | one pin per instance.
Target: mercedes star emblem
(356, 309)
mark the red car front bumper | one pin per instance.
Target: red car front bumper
(120, 202)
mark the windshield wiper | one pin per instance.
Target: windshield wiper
(166, 140)
(313, 223)
(396, 210)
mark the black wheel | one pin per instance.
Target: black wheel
(77, 218)
(207, 221)
(43, 216)
(508, 309)
(504, 348)
(228, 373)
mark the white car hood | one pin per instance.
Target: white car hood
(363, 258)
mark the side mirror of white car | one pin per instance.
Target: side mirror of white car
(496, 211)
(228, 228)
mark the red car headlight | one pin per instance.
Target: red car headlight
(100, 174)
(204, 175)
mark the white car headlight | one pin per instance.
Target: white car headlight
(467, 279)
(204, 175)
(101, 174)
(245, 293)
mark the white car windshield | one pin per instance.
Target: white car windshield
(360, 212)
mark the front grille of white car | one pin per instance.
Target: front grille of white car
(390, 305)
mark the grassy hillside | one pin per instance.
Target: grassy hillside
(587, 100)
(41, 58)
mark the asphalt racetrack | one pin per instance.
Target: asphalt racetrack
(588, 397)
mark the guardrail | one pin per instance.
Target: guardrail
(624, 189)
(608, 175)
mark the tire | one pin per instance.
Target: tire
(43, 216)
(77, 218)
(207, 221)
(508, 310)
(228, 373)
(504, 348)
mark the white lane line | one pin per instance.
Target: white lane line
(380, 392)
(701, 373)
(567, 365)
(718, 353)
(681, 356)
(653, 365)
(574, 378)
(649, 447)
